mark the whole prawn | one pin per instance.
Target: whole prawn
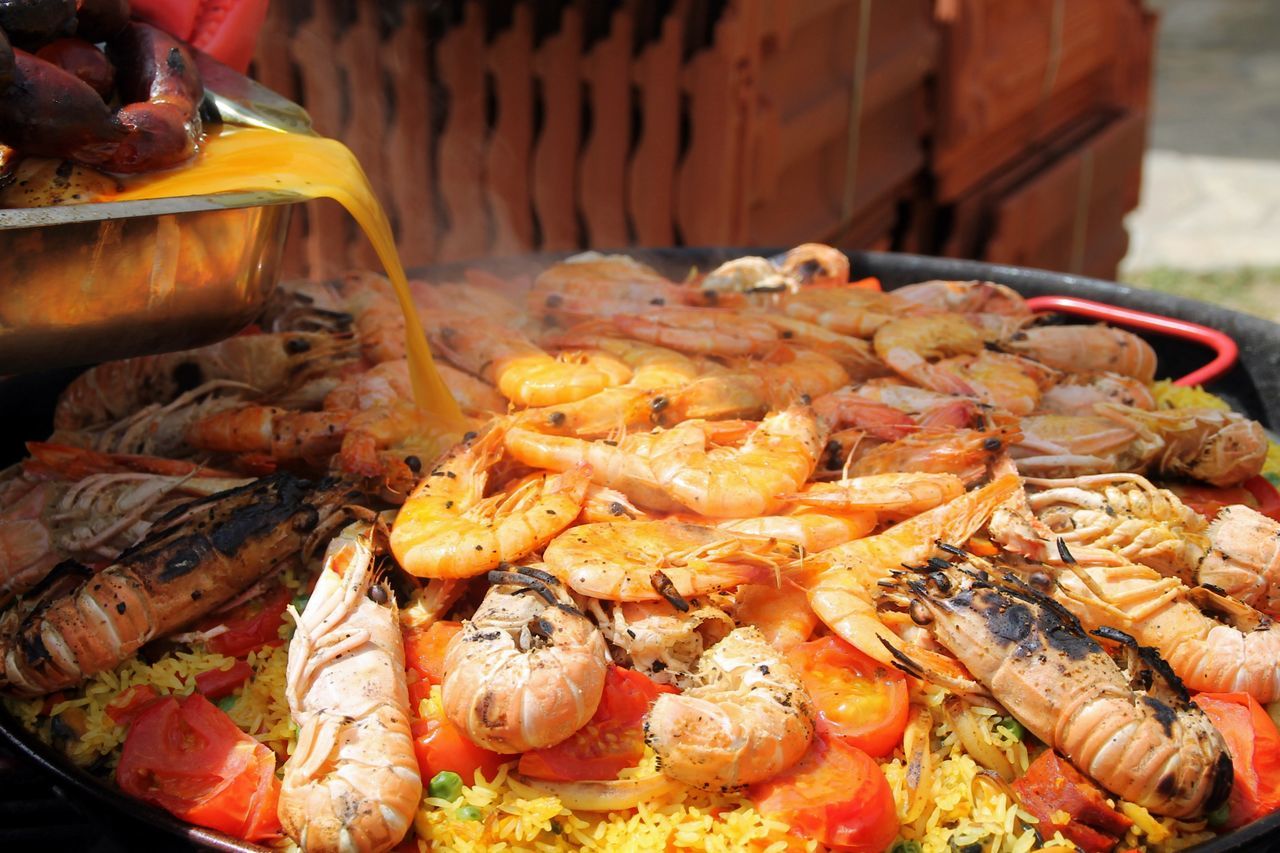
(527, 670)
(1151, 746)
(194, 560)
(745, 717)
(352, 783)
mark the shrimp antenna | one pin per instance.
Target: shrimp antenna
(667, 589)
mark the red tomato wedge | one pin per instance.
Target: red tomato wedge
(129, 703)
(862, 701)
(1052, 785)
(440, 745)
(217, 683)
(1254, 744)
(1255, 493)
(225, 29)
(189, 758)
(611, 741)
(835, 795)
(250, 626)
(424, 658)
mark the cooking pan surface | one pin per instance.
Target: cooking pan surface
(112, 821)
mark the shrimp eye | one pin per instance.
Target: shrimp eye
(920, 614)
(378, 594)
(659, 403)
(992, 444)
(554, 300)
(414, 463)
(297, 346)
(556, 418)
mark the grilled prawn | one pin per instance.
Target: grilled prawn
(746, 717)
(352, 783)
(194, 560)
(1136, 734)
(527, 670)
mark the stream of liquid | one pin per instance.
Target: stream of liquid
(250, 160)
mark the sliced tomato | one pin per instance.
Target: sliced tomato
(424, 650)
(611, 741)
(252, 625)
(440, 745)
(1254, 744)
(217, 683)
(861, 700)
(1256, 493)
(129, 703)
(189, 758)
(1052, 786)
(835, 795)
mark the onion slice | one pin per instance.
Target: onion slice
(613, 795)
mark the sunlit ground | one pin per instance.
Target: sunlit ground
(1253, 290)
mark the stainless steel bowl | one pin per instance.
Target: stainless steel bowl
(86, 283)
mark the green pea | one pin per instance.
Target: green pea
(1218, 817)
(907, 846)
(1013, 727)
(445, 785)
(226, 703)
(468, 813)
(300, 602)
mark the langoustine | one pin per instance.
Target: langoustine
(352, 783)
(527, 670)
(1150, 745)
(195, 559)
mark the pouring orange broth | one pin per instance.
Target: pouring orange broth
(251, 159)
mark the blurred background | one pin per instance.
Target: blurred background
(1004, 130)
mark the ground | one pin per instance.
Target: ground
(1209, 222)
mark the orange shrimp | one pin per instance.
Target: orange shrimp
(449, 528)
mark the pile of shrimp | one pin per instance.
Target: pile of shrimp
(688, 479)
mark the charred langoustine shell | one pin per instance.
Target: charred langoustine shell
(1133, 730)
(196, 559)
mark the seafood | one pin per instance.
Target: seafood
(659, 640)
(1219, 447)
(748, 390)
(352, 782)
(965, 452)
(732, 482)
(745, 718)
(294, 368)
(910, 345)
(1062, 446)
(890, 494)
(675, 468)
(703, 331)
(964, 297)
(526, 671)
(811, 529)
(1244, 561)
(841, 582)
(450, 528)
(1213, 643)
(1086, 349)
(593, 285)
(388, 383)
(1077, 393)
(852, 311)
(655, 560)
(88, 518)
(1126, 514)
(1150, 745)
(780, 611)
(193, 561)
(853, 354)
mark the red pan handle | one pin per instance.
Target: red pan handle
(1223, 345)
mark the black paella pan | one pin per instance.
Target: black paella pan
(45, 802)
